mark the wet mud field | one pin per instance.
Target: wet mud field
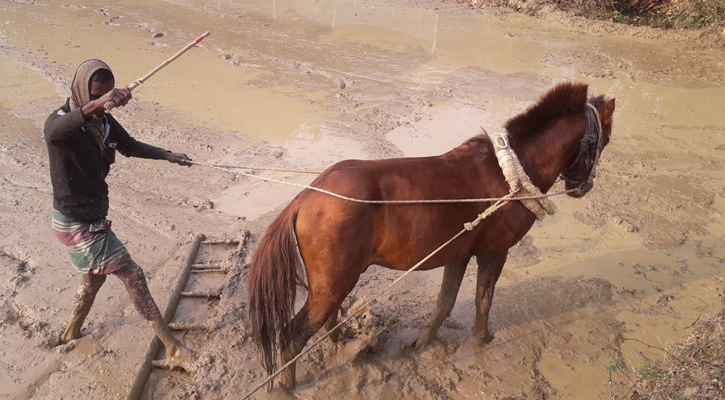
(303, 84)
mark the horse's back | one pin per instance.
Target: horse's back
(396, 234)
(451, 175)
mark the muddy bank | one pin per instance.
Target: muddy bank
(697, 24)
(301, 85)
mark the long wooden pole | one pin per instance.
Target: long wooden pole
(111, 104)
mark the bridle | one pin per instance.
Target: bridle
(590, 146)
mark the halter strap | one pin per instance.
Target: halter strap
(593, 128)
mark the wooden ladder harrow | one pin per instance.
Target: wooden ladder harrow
(206, 273)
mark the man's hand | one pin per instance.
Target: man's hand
(120, 96)
(178, 158)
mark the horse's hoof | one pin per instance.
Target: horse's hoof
(420, 344)
(376, 348)
(286, 385)
(335, 337)
(482, 341)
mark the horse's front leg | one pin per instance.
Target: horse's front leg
(452, 278)
(331, 323)
(489, 270)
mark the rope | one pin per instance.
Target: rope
(363, 201)
(498, 140)
(517, 178)
(466, 227)
(230, 167)
(469, 226)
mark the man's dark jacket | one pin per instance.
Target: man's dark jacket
(78, 167)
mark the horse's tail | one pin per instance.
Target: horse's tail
(272, 282)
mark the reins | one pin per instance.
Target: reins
(498, 140)
(234, 169)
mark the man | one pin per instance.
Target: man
(82, 140)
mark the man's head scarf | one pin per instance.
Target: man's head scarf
(81, 92)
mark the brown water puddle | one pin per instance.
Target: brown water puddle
(303, 84)
(222, 96)
(21, 86)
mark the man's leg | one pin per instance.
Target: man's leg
(134, 279)
(82, 305)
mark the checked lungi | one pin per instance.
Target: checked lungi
(93, 247)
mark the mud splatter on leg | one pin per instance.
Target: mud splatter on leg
(177, 354)
(82, 305)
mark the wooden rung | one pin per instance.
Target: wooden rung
(209, 295)
(204, 271)
(228, 242)
(182, 326)
(207, 266)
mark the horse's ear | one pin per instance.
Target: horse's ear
(607, 111)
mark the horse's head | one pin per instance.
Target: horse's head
(581, 172)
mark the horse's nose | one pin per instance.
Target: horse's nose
(581, 190)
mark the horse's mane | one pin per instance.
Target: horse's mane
(564, 99)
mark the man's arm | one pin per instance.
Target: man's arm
(130, 147)
(61, 125)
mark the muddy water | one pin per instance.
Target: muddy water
(303, 84)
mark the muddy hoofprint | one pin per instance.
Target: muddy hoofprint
(93, 248)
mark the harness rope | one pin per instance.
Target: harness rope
(231, 168)
(467, 227)
(538, 204)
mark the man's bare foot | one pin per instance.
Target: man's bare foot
(182, 357)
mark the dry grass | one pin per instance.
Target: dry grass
(687, 14)
(693, 369)
(667, 14)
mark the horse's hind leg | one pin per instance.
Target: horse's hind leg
(293, 340)
(322, 302)
(489, 270)
(452, 278)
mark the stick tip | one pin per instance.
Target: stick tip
(200, 38)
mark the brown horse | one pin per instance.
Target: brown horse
(339, 239)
